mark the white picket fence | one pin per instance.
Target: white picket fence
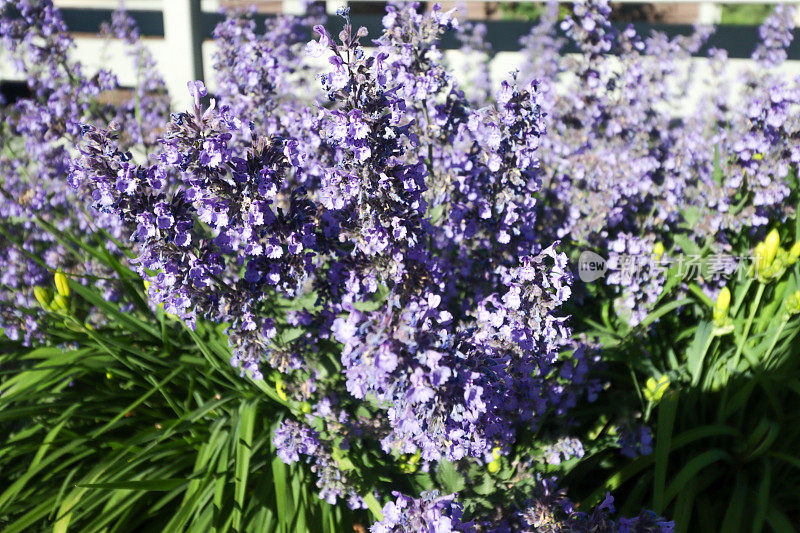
(182, 52)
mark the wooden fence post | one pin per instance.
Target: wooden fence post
(184, 39)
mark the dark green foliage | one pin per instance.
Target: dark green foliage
(144, 427)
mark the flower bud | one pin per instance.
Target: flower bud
(654, 390)
(62, 285)
(793, 303)
(724, 300)
(408, 468)
(794, 252)
(494, 465)
(760, 259)
(409, 463)
(722, 305)
(44, 296)
(281, 392)
(60, 302)
(771, 244)
(658, 250)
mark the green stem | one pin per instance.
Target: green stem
(738, 304)
(772, 309)
(164, 333)
(775, 339)
(697, 291)
(638, 389)
(429, 159)
(747, 326)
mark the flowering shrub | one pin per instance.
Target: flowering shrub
(364, 266)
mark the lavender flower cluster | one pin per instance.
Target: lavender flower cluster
(384, 242)
(37, 134)
(631, 160)
(238, 210)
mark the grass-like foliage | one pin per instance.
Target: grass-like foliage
(346, 288)
(142, 425)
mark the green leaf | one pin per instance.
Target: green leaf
(128, 320)
(693, 469)
(684, 506)
(283, 501)
(778, 520)
(762, 498)
(377, 301)
(137, 403)
(373, 506)
(687, 244)
(619, 477)
(666, 420)
(160, 485)
(244, 450)
(486, 485)
(733, 516)
(661, 311)
(697, 351)
(449, 478)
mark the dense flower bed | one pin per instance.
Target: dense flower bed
(394, 259)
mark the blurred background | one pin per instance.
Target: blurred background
(178, 32)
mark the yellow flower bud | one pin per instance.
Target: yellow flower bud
(793, 303)
(760, 260)
(494, 465)
(409, 463)
(305, 407)
(658, 250)
(724, 299)
(60, 302)
(280, 390)
(654, 390)
(771, 244)
(62, 285)
(794, 252)
(408, 468)
(758, 156)
(722, 305)
(44, 296)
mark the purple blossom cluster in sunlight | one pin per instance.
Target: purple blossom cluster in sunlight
(385, 243)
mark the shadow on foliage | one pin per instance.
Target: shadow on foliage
(722, 460)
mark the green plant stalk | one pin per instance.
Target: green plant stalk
(738, 304)
(639, 393)
(771, 309)
(661, 311)
(697, 291)
(784, 321)
(748, 325)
